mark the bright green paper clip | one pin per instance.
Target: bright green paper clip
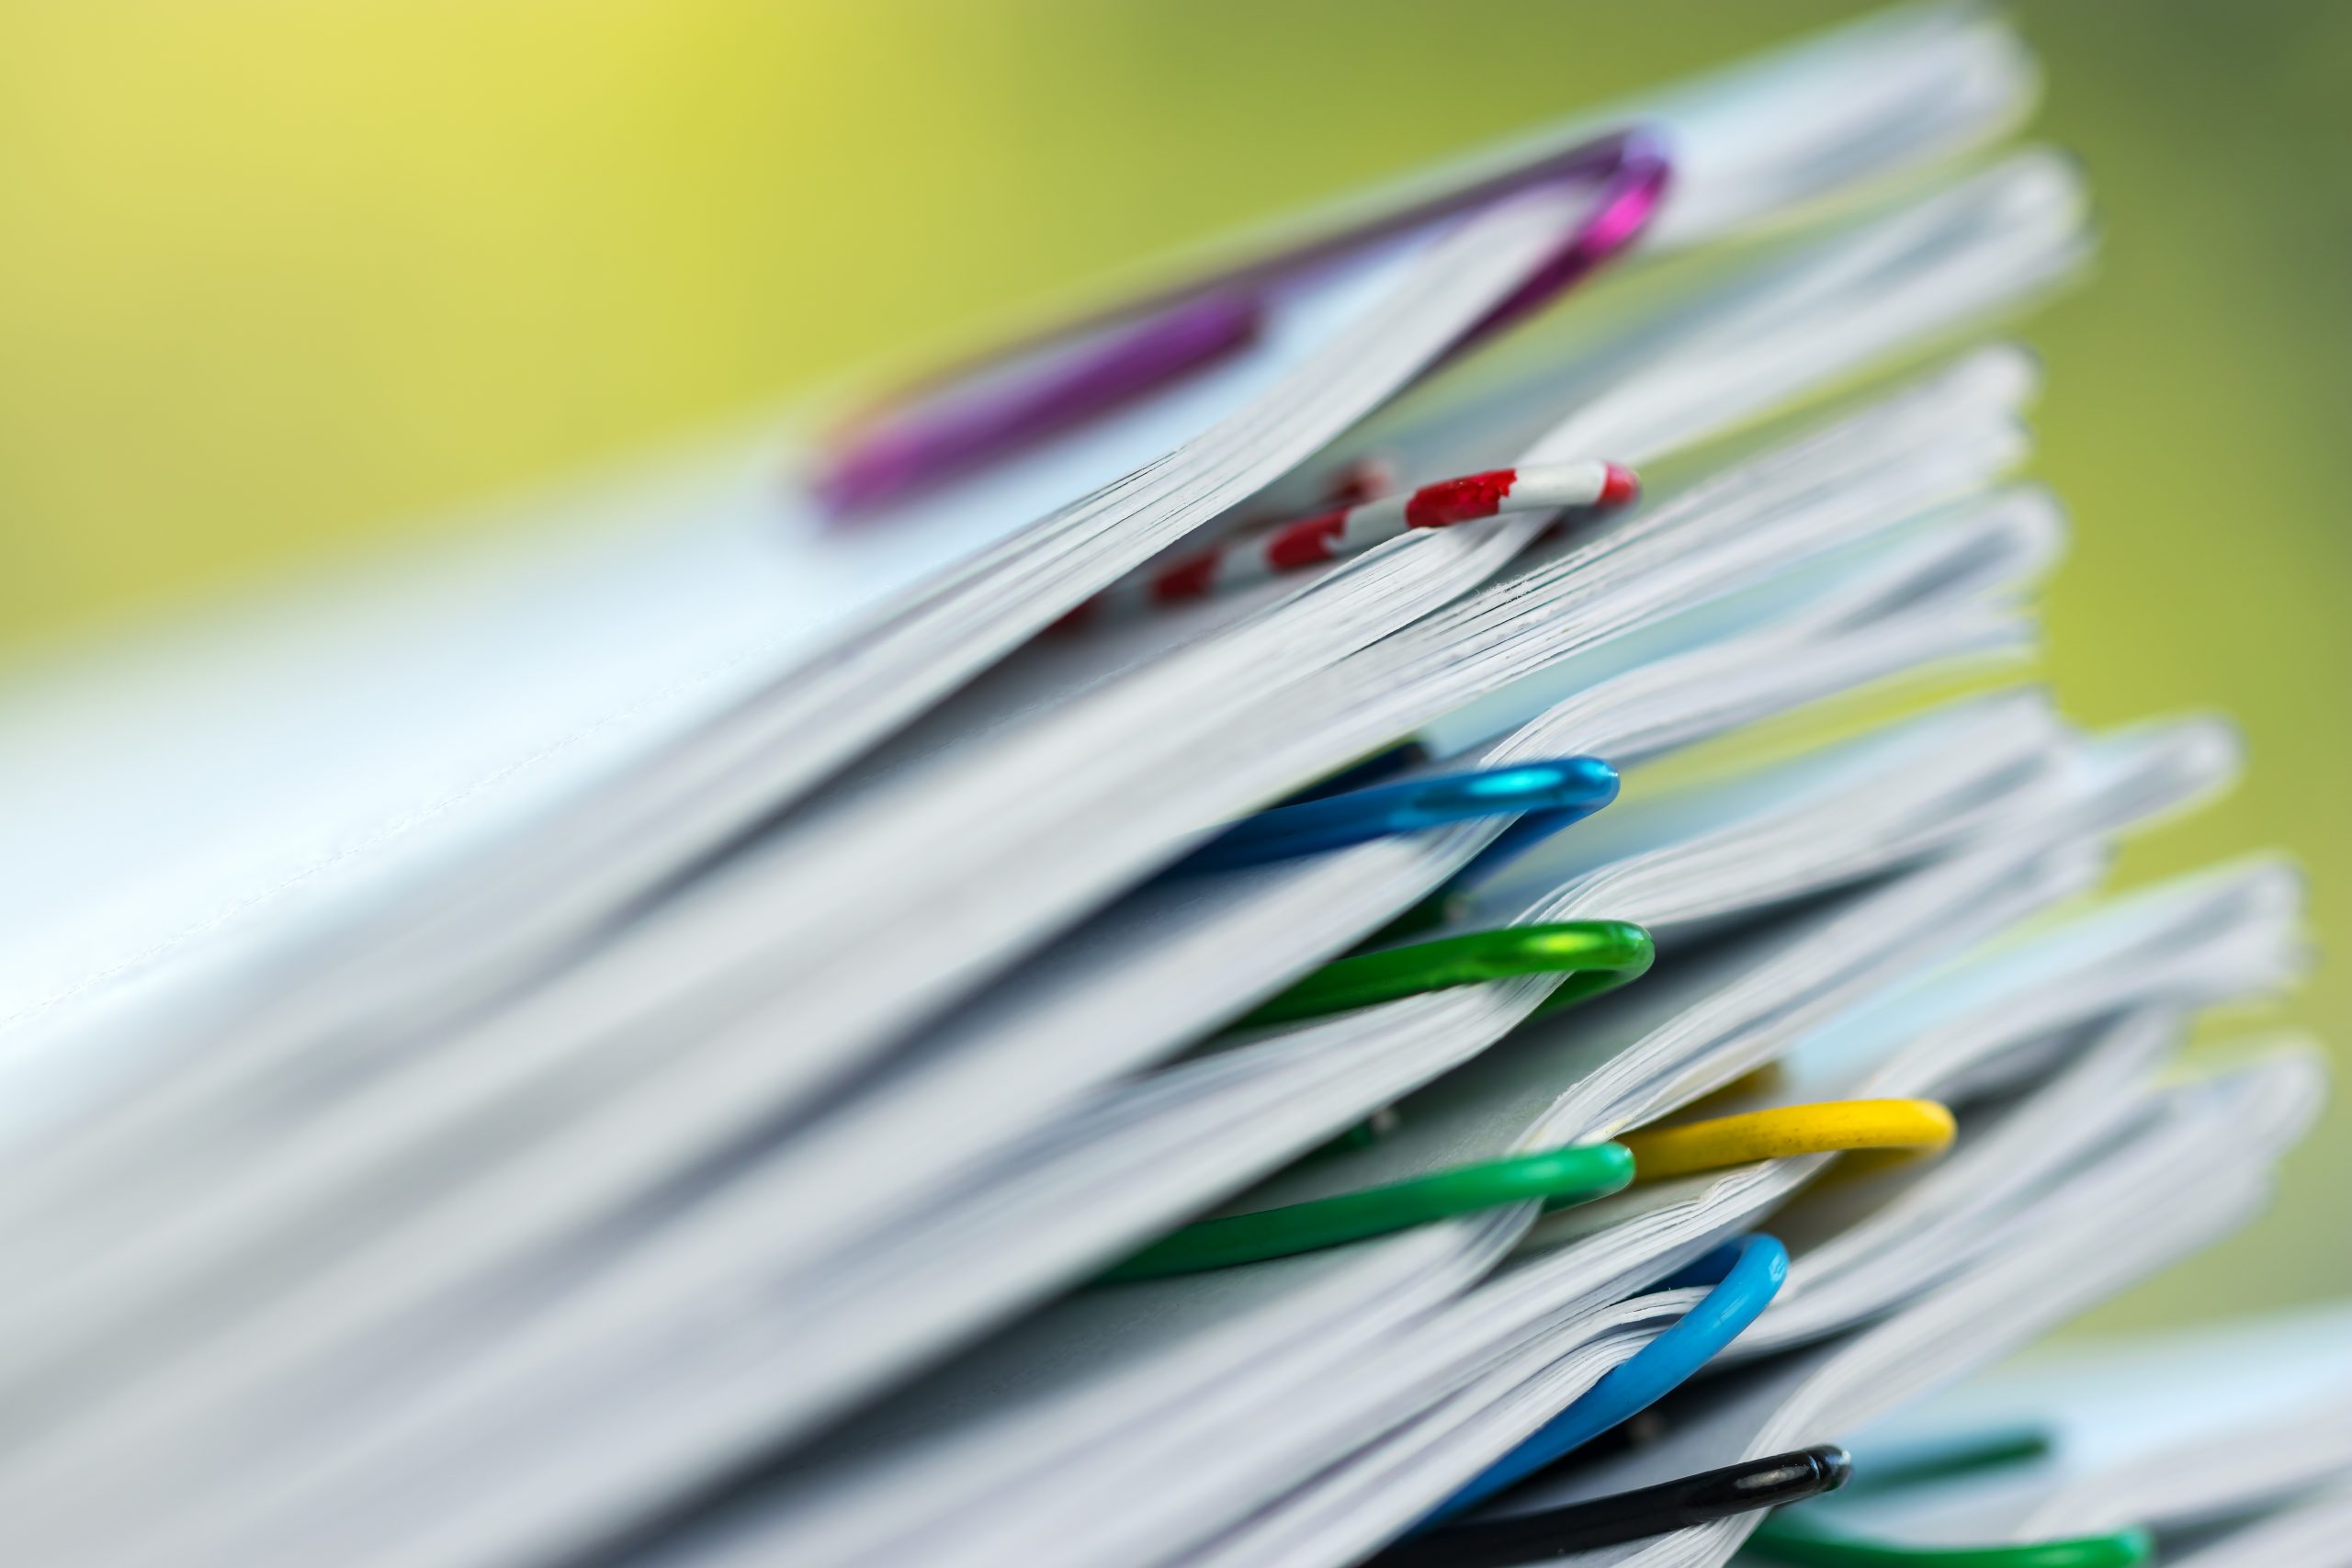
(1597, 954)
(1574, 1175)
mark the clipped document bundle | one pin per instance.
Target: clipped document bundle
(1408, 902)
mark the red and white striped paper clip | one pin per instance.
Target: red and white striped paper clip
(1327, 536)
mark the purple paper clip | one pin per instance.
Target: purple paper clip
(949, 425)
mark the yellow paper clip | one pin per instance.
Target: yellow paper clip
(1832, 1126)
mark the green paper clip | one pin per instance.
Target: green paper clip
(1783, 1540)
(1577, 1174)
(1598, 955)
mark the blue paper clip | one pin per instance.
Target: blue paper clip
(1558, 792)
(1747, 1274)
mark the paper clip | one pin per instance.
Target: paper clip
(1747, 1274)
(994, 410)
(989, 408)
(1785, 1539)
(1577, 1174)
(1677, 1505)
(1598, 955)
(1573, 787)
(1833, 1127)
(1325, 536)
(1801, 1540)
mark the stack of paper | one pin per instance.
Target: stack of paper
(996, 980)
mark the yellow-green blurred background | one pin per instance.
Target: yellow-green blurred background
(280, 277)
